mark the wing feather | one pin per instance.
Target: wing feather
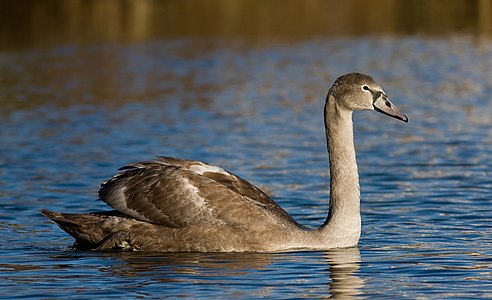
(178, 193)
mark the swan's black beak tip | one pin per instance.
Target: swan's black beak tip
(384, 106)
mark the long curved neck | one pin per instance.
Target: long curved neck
(343, 221)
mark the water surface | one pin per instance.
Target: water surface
(71, 115)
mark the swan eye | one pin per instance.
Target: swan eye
(365, 87)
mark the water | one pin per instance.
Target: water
(71, 115)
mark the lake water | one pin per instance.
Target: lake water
(71, 115)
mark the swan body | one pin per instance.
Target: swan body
(171, 204)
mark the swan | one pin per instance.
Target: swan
(171, 204)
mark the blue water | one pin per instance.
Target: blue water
(70, 116)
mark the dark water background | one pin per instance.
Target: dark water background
(241, 85)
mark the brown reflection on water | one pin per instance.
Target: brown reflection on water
(340, 265)
(104, 75)
(45, 23)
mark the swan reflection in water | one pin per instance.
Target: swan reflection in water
(260, 274)
(344, 266)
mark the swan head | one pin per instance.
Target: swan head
(356, 91)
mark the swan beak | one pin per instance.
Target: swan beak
(383, 105)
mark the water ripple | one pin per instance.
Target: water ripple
(257, 111)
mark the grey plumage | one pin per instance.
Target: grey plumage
(167, 191)
(171, 204)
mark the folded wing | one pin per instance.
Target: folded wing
(179, 193)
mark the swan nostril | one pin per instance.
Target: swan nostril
(388, 104)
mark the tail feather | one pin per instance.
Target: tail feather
(89, 230)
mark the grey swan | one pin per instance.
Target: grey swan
(171, 204)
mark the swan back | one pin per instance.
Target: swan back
(179, 193)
